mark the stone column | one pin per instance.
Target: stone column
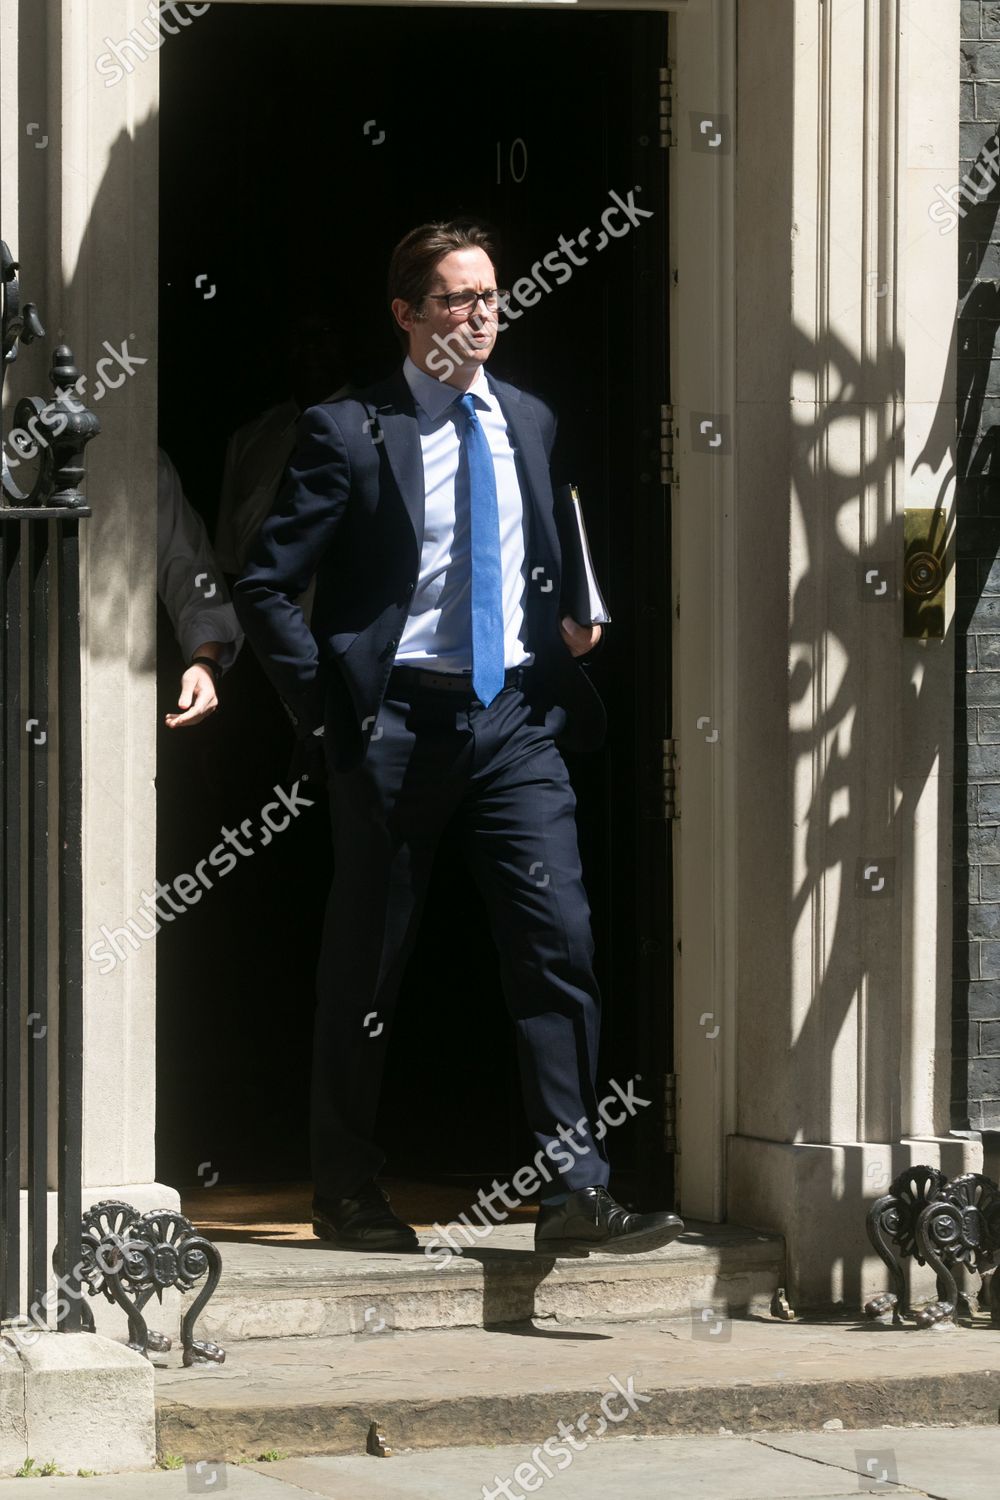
(107, 230)
(79, 209)
(845, 417)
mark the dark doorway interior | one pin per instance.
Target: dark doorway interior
(271, 186)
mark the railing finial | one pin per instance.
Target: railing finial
(54, 431)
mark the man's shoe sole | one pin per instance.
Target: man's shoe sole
(625, 1244)
(384, 1245)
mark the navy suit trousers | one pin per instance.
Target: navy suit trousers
(437, 756)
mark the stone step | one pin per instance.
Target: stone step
(466, 1386)
(306, 1289)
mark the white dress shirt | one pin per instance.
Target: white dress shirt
(438, 630)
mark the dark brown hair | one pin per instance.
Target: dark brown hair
(415, 259)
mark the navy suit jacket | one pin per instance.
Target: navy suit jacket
(350, 511)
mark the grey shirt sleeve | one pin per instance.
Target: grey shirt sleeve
(188, 579)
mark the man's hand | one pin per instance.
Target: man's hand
(579, 638)
(198, 699)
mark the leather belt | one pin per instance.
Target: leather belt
(454, 682)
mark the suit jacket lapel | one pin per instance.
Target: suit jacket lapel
(397, 428)
(533, 468)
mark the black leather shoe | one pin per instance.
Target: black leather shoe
(590, 1219)
(362, 1222)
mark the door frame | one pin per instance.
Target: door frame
(97, 122)
(700, 208)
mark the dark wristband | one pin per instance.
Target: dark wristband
(211, 664)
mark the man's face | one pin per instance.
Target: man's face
(452, 345)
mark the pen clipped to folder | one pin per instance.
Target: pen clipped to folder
(581, 593)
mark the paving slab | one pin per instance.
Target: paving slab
(468, 1386)
(641, 1468)
(961, 1466)
(948, 1463)
(245, 1482)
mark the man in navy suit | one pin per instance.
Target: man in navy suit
(442, 676)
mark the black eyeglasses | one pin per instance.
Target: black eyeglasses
(467, 300)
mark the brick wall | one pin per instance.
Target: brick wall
(976, 1067)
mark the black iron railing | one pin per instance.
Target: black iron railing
(41, 508)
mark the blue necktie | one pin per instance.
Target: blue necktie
(487, 579)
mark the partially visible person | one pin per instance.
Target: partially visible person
(256, 459)
(258, 452)
(190, 583)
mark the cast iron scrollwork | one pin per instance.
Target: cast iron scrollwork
(960, 1228)
(941, 1224)
(129, 1257)
(892, 1221)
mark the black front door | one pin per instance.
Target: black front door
(298, 145)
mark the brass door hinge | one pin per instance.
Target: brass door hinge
(670, 774)
(668, 471)
(670, 1112)
(668, 90)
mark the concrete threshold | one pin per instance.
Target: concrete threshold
(307, 1289)
(467, 1386)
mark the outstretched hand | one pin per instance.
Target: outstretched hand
(198, 699)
